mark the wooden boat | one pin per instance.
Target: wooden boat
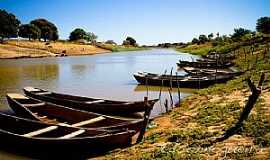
(224, 56)
(209, 64)
(205, 71)
(89, 104)
(55, 114)
(33, 136)
(188, 81)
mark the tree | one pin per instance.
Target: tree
(195, 41)
(126, 43)
(110, 42)
(48, 29)
(77, 34)
(210, 36)
(240, 32)
(203, 38)
(9, 25)
(130, 41)
(263, 25)
(90, 37)
(29, 31)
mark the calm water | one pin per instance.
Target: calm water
(104, 75)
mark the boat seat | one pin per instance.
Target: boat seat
(97, 101)
(31, 89)
(73, 134)
(89, 121)
(42, 93)
(184, 79)
(40, 131)
(42, 117)
(34, 104)
(17, 96)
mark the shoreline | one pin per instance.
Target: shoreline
(19, 49)
(34, 49)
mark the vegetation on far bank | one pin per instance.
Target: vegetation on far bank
(223, 44)
(44, 40)
(120, 48)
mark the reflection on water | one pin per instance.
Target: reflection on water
(15, 76)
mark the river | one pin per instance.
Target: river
(107, 76)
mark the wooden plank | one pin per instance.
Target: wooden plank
(97, 101)
(40, 131)
(94, 120)
(31, 89)
(17, 96)
(43, 93)
(73, 134)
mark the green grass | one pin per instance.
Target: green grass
(118, 48)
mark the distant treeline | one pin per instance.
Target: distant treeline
(42, 29)
(240, 34)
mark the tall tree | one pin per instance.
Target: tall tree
(77, 34)
(263, 25)
(9, 25)
(129, 41)
(29, 31)
(195, 41)
(90, 37)
(48, 29)
(203, 38)
(240, 32)
(210, 36)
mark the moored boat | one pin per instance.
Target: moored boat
(97, 105)
(55, 114)
(204, 64)
(206, 71)
(25, 135)
(187, 81)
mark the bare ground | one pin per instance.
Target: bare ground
(21, 49)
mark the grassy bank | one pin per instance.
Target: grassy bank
(196, 49)
(22, 48)
(120, 48)
(186, 132)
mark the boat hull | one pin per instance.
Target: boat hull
(108, 107)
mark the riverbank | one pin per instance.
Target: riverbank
(188, 130)
(120, 48)
(34, 49)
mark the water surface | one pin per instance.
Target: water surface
(103, 75)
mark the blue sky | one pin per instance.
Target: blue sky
(148, 21)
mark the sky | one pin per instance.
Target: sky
(148, 21)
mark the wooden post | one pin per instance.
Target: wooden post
(166, 105)
(162, 83)
(252, 50)
(178, 88)
(146, 83)
(170, 89)
(256, 91)
(146, 119)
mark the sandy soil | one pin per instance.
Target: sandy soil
(20, 49)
